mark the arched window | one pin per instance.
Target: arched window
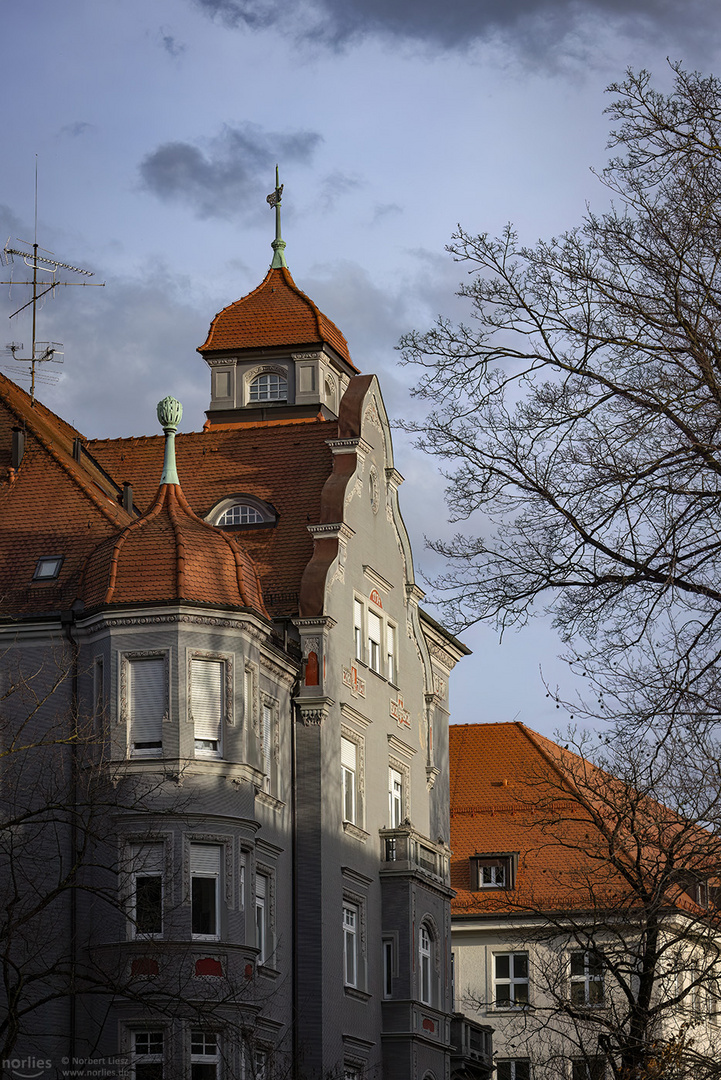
(425, 965)
(240, 514)
(269, 386)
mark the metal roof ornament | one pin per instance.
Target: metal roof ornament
(170, 413)
(278, 244)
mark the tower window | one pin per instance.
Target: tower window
(269, 386)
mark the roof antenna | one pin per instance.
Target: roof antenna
(41, 351)
(278, 245)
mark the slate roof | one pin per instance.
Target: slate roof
(275, 314)
(514, 791)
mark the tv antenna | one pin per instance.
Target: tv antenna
(45, 269)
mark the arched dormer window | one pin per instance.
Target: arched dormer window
(242, 512)
(268, 386)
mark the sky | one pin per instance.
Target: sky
(156, 128)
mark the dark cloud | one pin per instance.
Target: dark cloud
(229, 173)
(335, 186)
(78, 127)
(170, 43)
(537, 24)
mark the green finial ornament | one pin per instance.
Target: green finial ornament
(170, 413)
(278, 244)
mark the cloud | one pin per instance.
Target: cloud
(222, 178)
(170, 43)
(335, 186)
(77, 128)
(457, 24)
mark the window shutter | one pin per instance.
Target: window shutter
(348, 754)
(147, 859)
(267, 733)
(206, 680)
(261, 886)
(205, 860)
(148, 703)
(374, 628)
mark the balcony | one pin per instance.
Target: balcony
(471, 1049)
(404, 850)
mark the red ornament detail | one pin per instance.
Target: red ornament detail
(428, 1025)
(311, 670)
(249, 971)
(375, 598)
(144, 965)
(209, 966)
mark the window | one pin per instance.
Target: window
(148, 1055)
(48, 569)
(586, 978)
(391, 672)
(270, 386)
(496, 871)
(99, 695)
(387, 968)
(204, 1055)
(352, 1072)
(395, 798)
(261, 916)
(358, 629)
(348, 766)
(589, 1069)
(513, 1070)
(374, 641)
(147, 704)
(510, 979)
(147, 889)
(425, 965)
(266, 743)
(350, 944)
(260, 1064)
(223, 383)
(207, 705)
(205, 890)
(241, 514)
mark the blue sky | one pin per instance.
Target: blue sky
(157, 127)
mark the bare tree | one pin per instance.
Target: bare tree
(578, 416)
(618, 898)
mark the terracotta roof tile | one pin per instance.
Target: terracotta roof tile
(275, 314)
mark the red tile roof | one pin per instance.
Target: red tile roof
(275, 314)
(285, 465)
(170, 554)
(514, 791)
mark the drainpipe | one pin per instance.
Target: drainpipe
(67, 619)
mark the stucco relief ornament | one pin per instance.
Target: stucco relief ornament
(399, 713)
(353, 681)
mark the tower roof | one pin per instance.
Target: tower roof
(275, 314)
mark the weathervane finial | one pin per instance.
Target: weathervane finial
(278, 244)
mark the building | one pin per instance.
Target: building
(225, 731)
(577, 896)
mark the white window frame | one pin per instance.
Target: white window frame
(396, 784)
(391, 653)
(129, 670)
(275, 385)
(195, 680)
(262, 915)
(146, 1055)
(147, 861)
(351, 947)
(374, 641)
(517, 999)
(587, 980)
(349, 779)
(204, 1050)
(206, 873)
(512, 1072)
(358, 638)
(426, 950)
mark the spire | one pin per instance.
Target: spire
(278, 244)
(170, 413)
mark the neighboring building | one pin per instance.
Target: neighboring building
(232, 616)
(563, 877)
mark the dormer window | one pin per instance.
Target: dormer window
(495, 870)
(269, 386)
(242, 511)
(48, 568)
